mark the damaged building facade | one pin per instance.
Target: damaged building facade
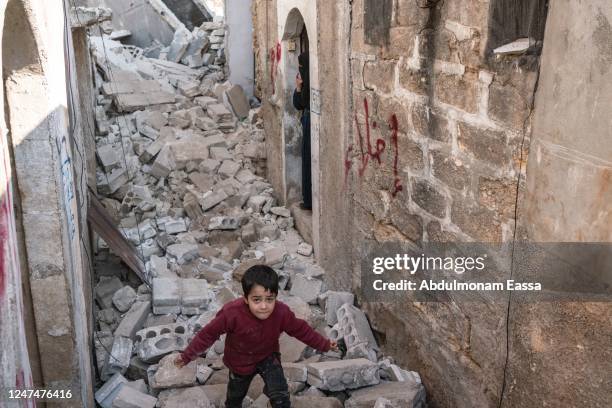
(422, 133)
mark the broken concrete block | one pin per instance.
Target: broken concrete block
(180, 43)
(166, 296)
(281, 211)
(306, 288)
(291, 349)
(192, 397)
(223, 223)
(248, 233)
(245, 176)
(211, 199)
(203, 373)
(257, 202)
(103, 342)
(396, 393)
(392, 372)
(195, 296)
(113, 181)
(190, 88)
(129, 397)
(305, 249)
(182, 253)
(119, 357)
(355, 328)
(220, 153)
(175, 226)
(203, 182)
(133, 319)
(179, 119)
(238, 101)
(275, 255)
(110, 156)
(138, 385)
(269, 231)
(152, 349)
(315, 401)
(332, 302)
(219, 113)
(124, 298)
(108, 392)
(192, 207)
(105, 290)
(228, 169)
(140, 233)
(164, 163)
(343, 374)
(169, 375)
(295, 372)
(205, 101)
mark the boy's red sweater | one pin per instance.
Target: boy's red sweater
(250, 340)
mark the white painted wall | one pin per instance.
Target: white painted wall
(239, 44)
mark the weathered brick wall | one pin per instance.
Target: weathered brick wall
(435, 156)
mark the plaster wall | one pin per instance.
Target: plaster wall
(49, 187)
(239, 44)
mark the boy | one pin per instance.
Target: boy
(253, 326)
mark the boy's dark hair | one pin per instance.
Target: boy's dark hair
(260, 275)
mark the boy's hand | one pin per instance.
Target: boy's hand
(333, 345)
(178, 361)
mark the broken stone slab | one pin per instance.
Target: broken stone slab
(295, 372)
(398, 394)
(85, 16)
(257, 202)
(168, 375)
(206, 101)
(392, 372)
(354, 327)
(175, 226)
(109, 183)
(238, 101)
(291, 349)
(224, 223)
(315, 401)
(306, 288)
(192, 206)
(203, 372)
(275, 255)
(129, 397)
(343, 374)
(228, 169)
(203, 182)
(118, 358)
(180, 42)
(166, 295)
(124, 298)
(220, 153)
(190, 89)
(118, 35)
(110, 156)
(211, 199)
(192, 397)
(108, 392)
(103, 342)
(133, 319)
(164, 163)
(218, 112)
(333, 300)
(304, 249)
(105, 289)
(182, 253)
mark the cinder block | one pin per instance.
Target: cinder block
(182, 253)
(108, 392)
(343, 374)
(355, 328)
(223, 223)
(398, 394)
(133, 319)
(119, 357)
(333, 301)
(195, 296)
(166, 296)
(129, 397)
(152, 349)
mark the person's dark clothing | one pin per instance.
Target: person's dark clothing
(276, 388)
(301, 101)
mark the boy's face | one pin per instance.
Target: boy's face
(261, 302)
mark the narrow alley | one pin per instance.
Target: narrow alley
(154, 151)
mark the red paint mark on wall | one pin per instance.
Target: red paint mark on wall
(275, 57)
(366, 151)
(4, 240)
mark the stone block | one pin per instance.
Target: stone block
(103, 342)
(119, 357)
(182, 253)
(195, 296)
(291, 349)
(105, 289)
(270, 231)
(481, 224)
(133, 319)
(333, 301)
(175, 226)
(343, 374)
(281, 211)
(430, 123)
(315, 401)
(110, 156)
(484, 144)
(192, 397)
(180, 42)
(426, 196)
(169, 375)
(220, 153)
(398, 394)
(295, 372)
(164, 163)
(108, 392)
(192, 207)
(138, 385)
(152, 349)
(129, 397)
(211, 199)
(124, 298)
(304, 249)
(275, 255)
(257, 202)
(209, 166)
(166, 296)
(238, 101)
(228, 169)
(219, 113)
(461, 91)
(379, 75)
(450, 170)
(355, 328)
(306, 288)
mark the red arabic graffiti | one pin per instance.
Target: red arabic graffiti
(366, 153)
(275, 57)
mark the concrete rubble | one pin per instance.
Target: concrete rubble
(181, 166)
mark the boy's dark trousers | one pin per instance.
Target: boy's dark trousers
(275, 388)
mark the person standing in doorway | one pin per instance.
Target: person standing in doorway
(301, 101)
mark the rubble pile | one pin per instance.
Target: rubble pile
(181, 160)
